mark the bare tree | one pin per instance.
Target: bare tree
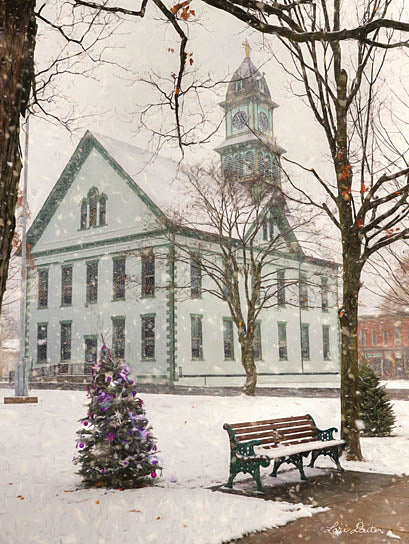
(233, 240)
(393, 266)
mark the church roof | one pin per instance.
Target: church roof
(253, 83)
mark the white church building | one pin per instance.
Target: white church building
(104, 268)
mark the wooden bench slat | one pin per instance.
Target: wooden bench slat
(267, 421)
(285, 436)
(279, 428)
(286, 443)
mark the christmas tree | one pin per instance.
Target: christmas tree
(115, 444)
(376, 409)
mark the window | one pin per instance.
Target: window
(303, 289)
(305, 341)
(276, 168)
(196, 337)
(324, 294)
(84, 214)
(148, 337)
(281, 287)
(118, 337)
(228, 342)
(228, 167)
(91, 350)
(42, 342)
(92, 199)
(363, 338)
(265, 230)
(119, 277)
(250, 162)
(195, 277)
(397, 337)
(238, 85)
(326, 352)
(385, 338)
(374, 338)
(238, 166)
(268, 229)
(282, 341)
(42, 288)
(65, 338)
(66, 285)
(260, 161)
(92, 282)
(102, 210)
(257, 342)
(267, 167)
(148, 275)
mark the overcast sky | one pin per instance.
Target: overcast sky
(108, 101)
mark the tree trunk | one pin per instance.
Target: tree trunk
(17, 42)
(247, 360)
(350, 412)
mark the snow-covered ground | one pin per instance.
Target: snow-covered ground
(40, 502)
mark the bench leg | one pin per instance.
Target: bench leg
(333, 453)
(277, 464)
(297, 461)
(335, 457)
(256, 476)
(314, 455)
(233, 474)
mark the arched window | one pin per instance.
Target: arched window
(238, 166)
(92, 200)
(103, 209)
(250, 162)
(228, 167)
(84, 214)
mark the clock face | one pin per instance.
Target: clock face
(262, 121)
(240, 119)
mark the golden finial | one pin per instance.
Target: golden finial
(247, 48)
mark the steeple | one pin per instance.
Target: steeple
(249, 152)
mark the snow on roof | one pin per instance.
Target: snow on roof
(252, 137)
(159, 177)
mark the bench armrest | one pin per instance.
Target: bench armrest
(326, 434)
(246, 448)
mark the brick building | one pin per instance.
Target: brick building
(384, 341)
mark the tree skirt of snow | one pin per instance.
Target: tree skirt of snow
(40, 501)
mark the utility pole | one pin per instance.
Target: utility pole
(21, 375)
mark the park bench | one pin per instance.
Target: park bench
(287, 440)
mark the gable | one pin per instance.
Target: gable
(129, 209)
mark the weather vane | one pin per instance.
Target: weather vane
(247, 48)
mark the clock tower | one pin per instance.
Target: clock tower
(249, 153)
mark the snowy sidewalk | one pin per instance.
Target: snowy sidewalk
(378, 516)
